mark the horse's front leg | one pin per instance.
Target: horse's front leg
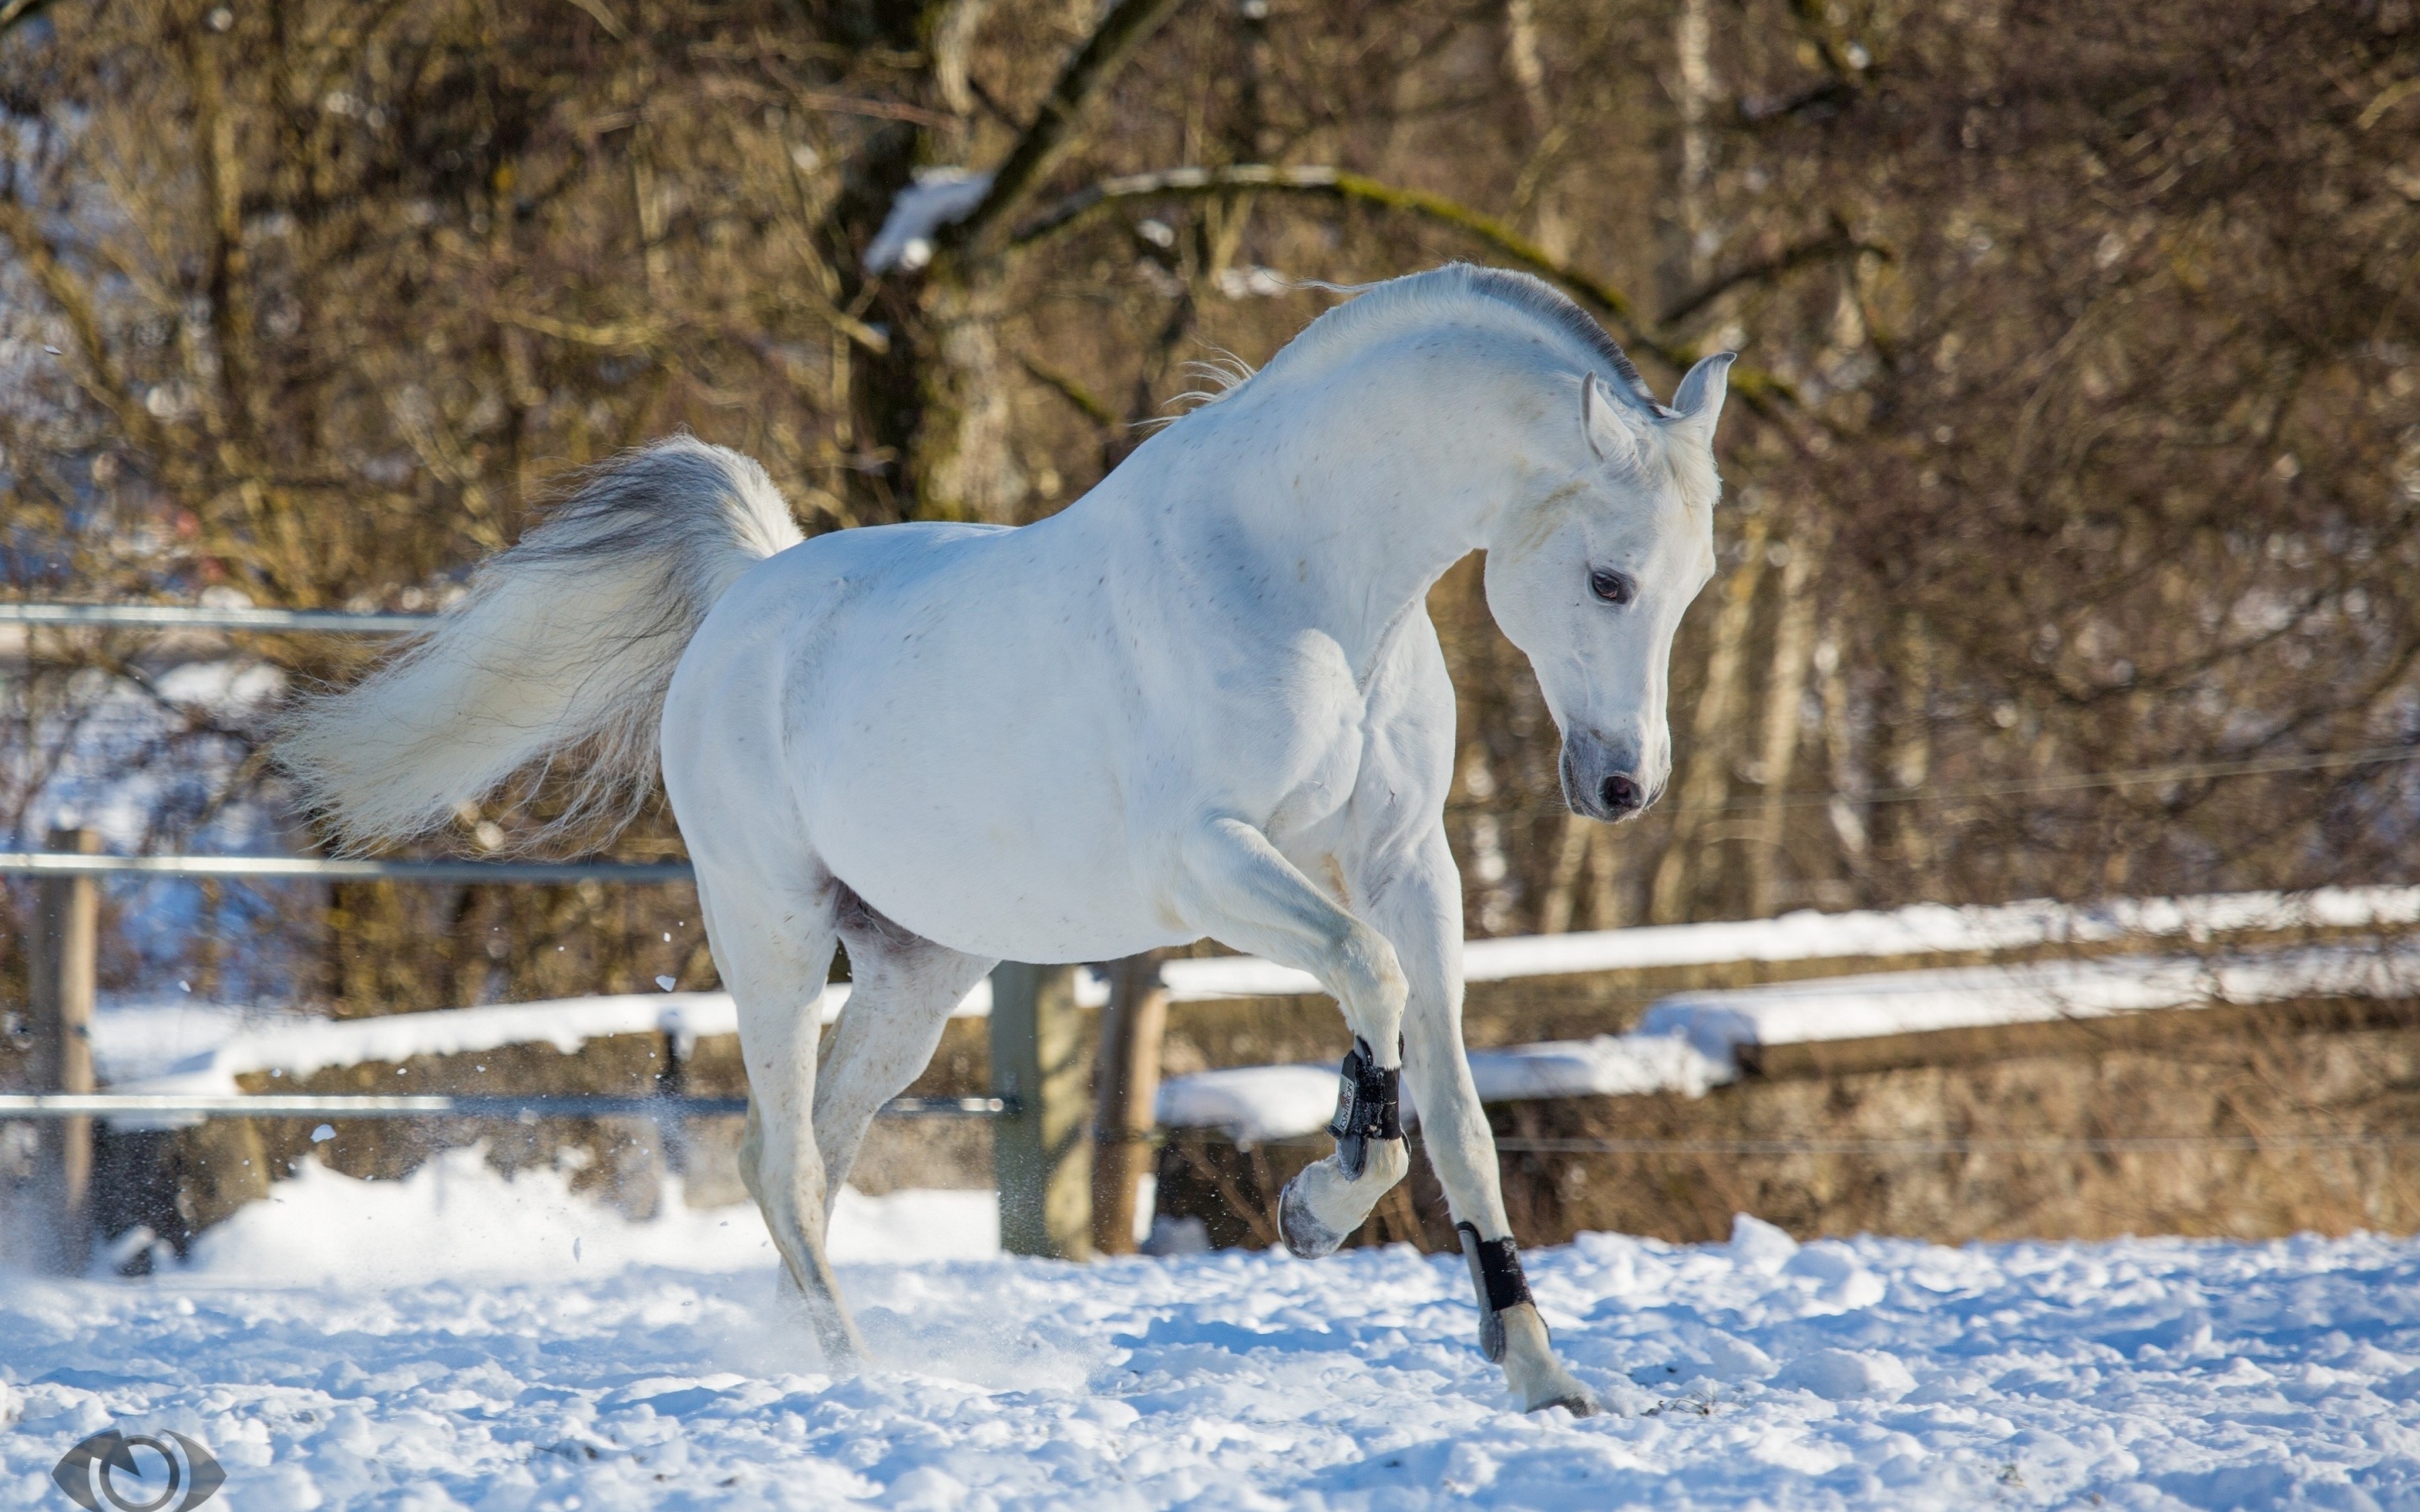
(1420, 910)
(1240, 890)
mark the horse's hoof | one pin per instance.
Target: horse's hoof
(1580, 1406)
(1306, 1237)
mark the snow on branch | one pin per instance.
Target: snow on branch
(1089, 72)
(939, 197)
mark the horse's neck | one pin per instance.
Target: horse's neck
(1350, 521)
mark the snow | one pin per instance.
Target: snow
(937, 197)
(185, 1044)
(458, 1350)
(136, 1039)
(1610, 1064)
(171, 1047)
(164, 1045)
(1720, 1023)
(1252, 1103)
(456, 1217)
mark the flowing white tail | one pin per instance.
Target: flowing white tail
(567, 640)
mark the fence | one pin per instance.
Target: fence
(1071, 1131)
(63, 955)
(65, 944)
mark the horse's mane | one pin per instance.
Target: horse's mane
(1456, 289)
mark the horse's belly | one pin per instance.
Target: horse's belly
(1019, 886)
(993, 835)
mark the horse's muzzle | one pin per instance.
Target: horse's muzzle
(1603, 782)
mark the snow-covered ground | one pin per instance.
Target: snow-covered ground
(456, 1340)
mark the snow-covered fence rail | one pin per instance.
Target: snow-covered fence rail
(2231, 1090)
(1691, 1042)
(1915, 932)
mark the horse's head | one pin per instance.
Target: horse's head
(1589, 574)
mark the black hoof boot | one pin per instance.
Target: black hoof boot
(1495, 1276)
(1369, 1105)
(1367, 1108)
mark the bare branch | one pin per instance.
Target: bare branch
(1067, 388)
(14, 11)
(1833, 243)
(1336, 183)
(98, 377)
(626, 335)
(1086, 75)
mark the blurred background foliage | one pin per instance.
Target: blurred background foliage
(2069, 541)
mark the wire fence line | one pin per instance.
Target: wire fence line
(2146, 1144)
(2117, 1145)
(525, 1109)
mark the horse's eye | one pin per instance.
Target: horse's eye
(1611, 586)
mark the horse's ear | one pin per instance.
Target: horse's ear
(1609, 435)
(1697, 403)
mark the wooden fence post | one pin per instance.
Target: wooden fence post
(1125, 1112)
(62, 952)
(1042, 1155)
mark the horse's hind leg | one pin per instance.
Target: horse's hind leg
(903, 987)
(773, 945)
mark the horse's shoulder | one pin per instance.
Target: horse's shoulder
(1410, 669)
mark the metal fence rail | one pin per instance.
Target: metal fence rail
(332, 869)
(180, 617)
(441, 1105)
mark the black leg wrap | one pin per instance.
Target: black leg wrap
(1495, 1276)
(1369, 1105)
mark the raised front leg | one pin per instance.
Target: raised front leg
(1420, 910)
(1242, 891)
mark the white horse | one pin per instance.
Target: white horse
(1204, 700)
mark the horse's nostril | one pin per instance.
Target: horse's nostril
(1621, 794)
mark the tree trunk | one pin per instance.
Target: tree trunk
(1792, 641)
(1126, 1100)
(961, 463)
(1706, 780)
(1840, 746)
(1911, 748)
